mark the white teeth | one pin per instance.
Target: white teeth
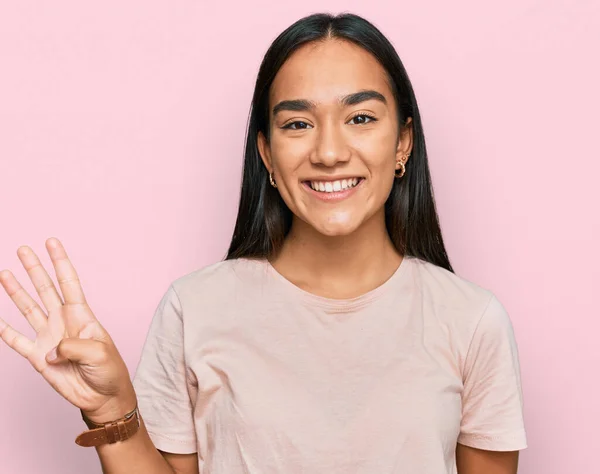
(333, 186)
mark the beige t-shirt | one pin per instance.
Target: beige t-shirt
(257, 375)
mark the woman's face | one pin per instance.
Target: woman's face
(333, 151)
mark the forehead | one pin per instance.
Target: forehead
(323, 71)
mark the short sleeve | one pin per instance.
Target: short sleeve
(492, 399)
(161, 383)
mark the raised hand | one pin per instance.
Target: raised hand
(87, 368)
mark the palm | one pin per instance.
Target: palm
(47, 338)
(79, 384)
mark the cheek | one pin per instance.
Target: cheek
(378, 151)
(287, 159)
(286, 150)
(381, 173)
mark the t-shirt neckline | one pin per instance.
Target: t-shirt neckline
(335, 304)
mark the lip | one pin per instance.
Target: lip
(333, 178)
(334, 196)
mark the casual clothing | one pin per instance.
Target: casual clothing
(259, 376)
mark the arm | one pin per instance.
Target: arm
(164, 391)
(78, 358)
(476, 461)
(138, 455)
(492, 428)
(182, 463)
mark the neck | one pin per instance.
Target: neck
(338, 267)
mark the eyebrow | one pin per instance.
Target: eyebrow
(299, 105)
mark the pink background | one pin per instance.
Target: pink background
(122, 128)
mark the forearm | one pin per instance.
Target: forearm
(137, 455)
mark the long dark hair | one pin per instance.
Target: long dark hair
(264, 219)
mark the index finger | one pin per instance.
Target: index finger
(66, 275)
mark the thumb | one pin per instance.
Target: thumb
(80, 351)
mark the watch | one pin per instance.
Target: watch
(111, 432)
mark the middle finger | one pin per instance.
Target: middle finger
(39, 277)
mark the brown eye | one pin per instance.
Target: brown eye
(364, 118)
(289, 125)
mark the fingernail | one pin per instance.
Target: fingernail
(52, 354)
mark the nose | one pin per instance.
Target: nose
(330, 146)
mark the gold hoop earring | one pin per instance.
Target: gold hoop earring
(272, 181)
(402, 167)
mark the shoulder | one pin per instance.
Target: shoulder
(219, 280)
(446, 289)
(464, 310)
(456, 302)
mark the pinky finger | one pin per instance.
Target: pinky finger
(15, 340)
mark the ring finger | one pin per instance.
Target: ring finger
(26, 304)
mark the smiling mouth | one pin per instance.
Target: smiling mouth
(334, 186)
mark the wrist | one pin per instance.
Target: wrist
(114, 409)
(115, 421)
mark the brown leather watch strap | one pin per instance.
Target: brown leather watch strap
(112, 432)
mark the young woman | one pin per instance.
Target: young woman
(335, 337)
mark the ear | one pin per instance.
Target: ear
(405, 142)
(265, 151)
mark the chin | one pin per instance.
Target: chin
(336, 229)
